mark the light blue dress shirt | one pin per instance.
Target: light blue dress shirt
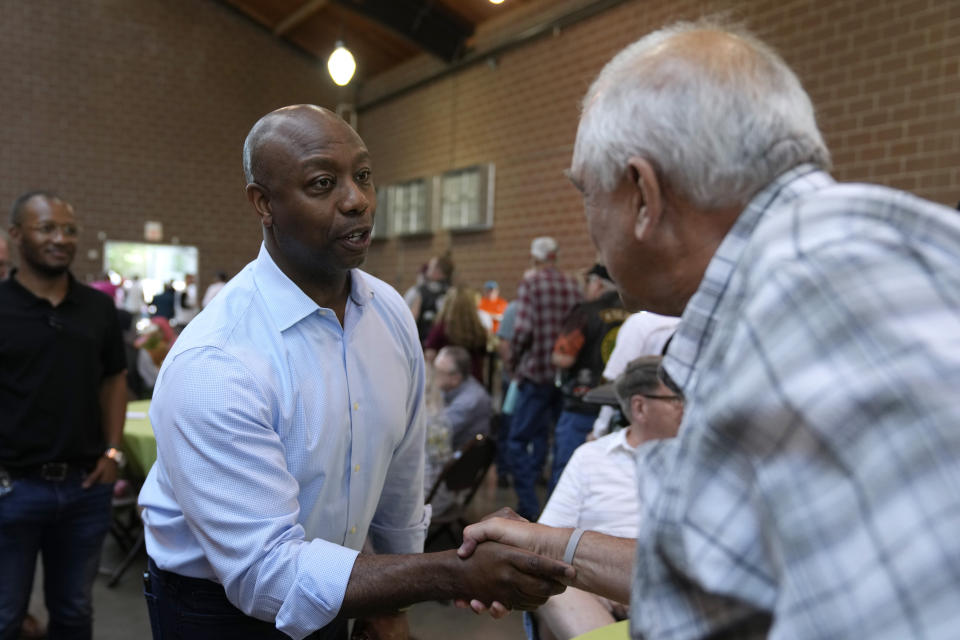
(283, 439)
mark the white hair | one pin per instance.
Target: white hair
(718, 125)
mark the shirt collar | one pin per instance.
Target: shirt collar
(617, 440)
(287, 304)
(70, 297)
(698, 320)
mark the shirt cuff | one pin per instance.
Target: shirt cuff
(317, 594)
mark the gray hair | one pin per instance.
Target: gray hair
(461, 359)
(718, 124)
(640, 376)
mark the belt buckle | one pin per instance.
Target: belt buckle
(54, 471)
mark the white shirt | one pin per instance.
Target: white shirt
(642, 334)
(598, 489)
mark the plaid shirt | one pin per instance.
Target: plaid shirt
(814, 488)
(543, 301)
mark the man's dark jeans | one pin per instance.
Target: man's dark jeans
(66, 524)
(538, 406)
(571, 432)
(183, 608)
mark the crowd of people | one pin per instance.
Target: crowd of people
(748, 403)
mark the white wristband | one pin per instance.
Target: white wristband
(572, 544)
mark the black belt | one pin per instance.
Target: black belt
(50, 471)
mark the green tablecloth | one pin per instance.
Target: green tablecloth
(138, 441)
(616, 631)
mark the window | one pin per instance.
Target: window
(381, 221)
(467, 198)
(154, 264)
(408, 207)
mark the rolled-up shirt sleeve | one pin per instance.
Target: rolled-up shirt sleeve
(226, 467)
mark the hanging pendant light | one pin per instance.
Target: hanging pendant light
(341, 65)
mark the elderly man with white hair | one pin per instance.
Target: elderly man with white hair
(813, 490)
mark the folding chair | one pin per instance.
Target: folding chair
(127, 530)
(461, 477)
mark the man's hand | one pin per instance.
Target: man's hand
(537, 538)
(505, 512)
(507, 527)
(389, 626)
(517, 578)
(104, 473)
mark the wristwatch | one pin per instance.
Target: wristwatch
(116, 455)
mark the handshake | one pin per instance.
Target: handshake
(539, 563)
(504, 563)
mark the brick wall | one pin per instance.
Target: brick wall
(137, 111)
(884, 76)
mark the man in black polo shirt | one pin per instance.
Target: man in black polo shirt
(580, 354)
(62, 406)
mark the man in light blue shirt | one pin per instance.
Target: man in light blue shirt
(289, 424)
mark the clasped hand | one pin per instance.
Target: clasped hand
(525, 574)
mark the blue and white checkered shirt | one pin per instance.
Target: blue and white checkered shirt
(282, 439)
(814, 488)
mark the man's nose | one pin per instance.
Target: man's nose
(355, 200)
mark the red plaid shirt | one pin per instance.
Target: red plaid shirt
(543, 301)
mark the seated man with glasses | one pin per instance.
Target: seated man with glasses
(598, 491)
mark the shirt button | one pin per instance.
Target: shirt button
(353, 529)
(356, 405)
(356, 467)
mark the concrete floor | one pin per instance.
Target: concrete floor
(121, 614)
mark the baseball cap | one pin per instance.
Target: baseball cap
(490, 284)
(600, 271)
(543, 247)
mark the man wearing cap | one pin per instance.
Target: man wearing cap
(543, 300)
(580, 353)
(492, 304)
(598, 491)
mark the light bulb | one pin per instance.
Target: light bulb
(341, 65)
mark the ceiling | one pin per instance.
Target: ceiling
(380, 33)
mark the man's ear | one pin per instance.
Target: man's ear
(648, 198)
(637, 404)
(258, 197)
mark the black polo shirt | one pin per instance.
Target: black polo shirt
(52, 362)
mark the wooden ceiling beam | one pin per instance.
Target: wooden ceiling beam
(305, 10)
(426, 23)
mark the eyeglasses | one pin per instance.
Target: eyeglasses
(676, 399)
(50, 228)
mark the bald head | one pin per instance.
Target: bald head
(285, 129)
